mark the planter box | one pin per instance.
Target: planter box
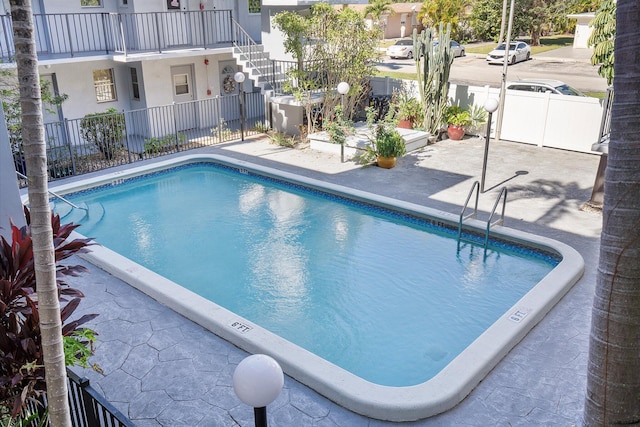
(355, 144)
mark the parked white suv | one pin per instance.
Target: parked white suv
(544, 86)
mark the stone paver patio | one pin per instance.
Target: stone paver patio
(163, 370)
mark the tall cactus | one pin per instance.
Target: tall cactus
(433, 65)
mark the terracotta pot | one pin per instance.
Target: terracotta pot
(386, 162)
(455, 132)
(405, 124)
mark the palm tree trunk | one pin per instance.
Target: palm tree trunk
(613, 377)
(41, 232)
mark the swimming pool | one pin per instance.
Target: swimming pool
(404, 399)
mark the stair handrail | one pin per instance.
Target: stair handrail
(247, 40)
(56, 195)
(500, 221)
(474, 187)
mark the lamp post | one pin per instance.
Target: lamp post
(343, 88)
(491, 105)
(257, 381)
(239, 78)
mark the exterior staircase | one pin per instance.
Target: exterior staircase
(265, 72)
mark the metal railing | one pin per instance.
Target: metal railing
(605, 123)
(62, 35)
(83, 145)
(89, 408)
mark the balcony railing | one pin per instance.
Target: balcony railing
(64, 35)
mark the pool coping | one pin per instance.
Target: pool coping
(434, 396)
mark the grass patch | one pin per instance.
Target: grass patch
(599, 95)
(397, 75)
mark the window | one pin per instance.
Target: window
(181, 84)
(105, 85)
(255, 6)
(125, 2)
(135, 88)
(91, 3)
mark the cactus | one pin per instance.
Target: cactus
(433, 65)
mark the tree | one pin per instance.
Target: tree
(10, 94)
(602, 39)
(376, 9)
(41, 231)
(613, 372)
(330, 46)
(434, 12)
(532, 17)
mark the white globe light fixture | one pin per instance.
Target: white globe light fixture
(239, 77)
(343, 88)
(491, 105)
(257, 381)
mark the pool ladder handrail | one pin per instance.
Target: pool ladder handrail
(476, 188)
(499, 221)
(57, 195)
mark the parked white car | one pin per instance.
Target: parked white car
(518, 51)
(456, 48)
(401, 49)
(544, 86)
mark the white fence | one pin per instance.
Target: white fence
(542, 119)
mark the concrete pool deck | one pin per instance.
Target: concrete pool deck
(160, 369)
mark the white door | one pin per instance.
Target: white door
(183, 97)
(230, 105)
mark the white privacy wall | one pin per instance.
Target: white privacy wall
(543, 119)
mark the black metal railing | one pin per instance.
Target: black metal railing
(62, 35)
(89, 408)
(78, 146)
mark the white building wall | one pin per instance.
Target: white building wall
(583, 32)
(76, 80)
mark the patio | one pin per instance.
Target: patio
(162, 370)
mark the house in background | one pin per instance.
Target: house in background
(583, 31)
(398, 24)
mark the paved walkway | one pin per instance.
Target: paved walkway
(163, 370)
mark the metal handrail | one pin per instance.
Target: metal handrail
(243, 39)
(56, 195)
(493, 211)
(475, 187)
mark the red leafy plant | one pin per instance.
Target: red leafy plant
(22, 375)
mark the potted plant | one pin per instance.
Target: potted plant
(478, 116)
(388, 145)
(407, 108)
(457, 119)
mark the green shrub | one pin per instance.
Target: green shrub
(22, 374)
(155, 145)
(457, 116)
(104, 130)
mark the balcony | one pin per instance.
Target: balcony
(70, 35)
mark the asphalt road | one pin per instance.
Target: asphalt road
(564, 64)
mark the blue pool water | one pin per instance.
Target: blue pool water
(383, 295)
